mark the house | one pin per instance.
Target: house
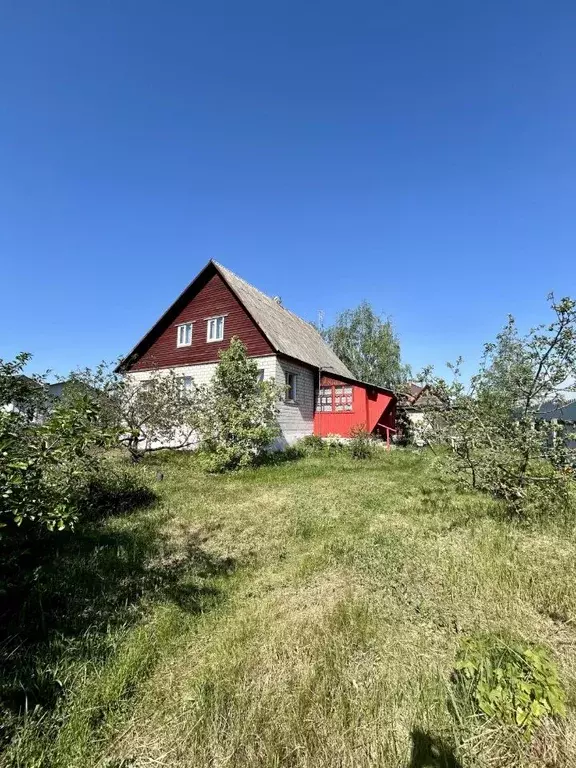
(25, 392)
(322, 396)
(561, 413)
(417, 402)
(37, 397)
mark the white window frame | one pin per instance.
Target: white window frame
(212, 322)
(260, 376)
(180, 343)
(293, 387)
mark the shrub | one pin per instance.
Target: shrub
(312, 444)
(293, 452)
(501, 427)
(147, 415)
(334, 443)
(509, 680)
(236, 413)
(52, 456)
(362, 444)
(45, 468)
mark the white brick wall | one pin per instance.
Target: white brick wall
(202, 373)
(295, 419)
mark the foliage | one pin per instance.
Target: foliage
(361, 444)
(148, 415)
(368, 346)
(236, 414)
(45, 463)
(312, 444)
(404, 428)
(334, 443)
(26, 395)
(501, 441)
(232, 419)
(512, 681)
(293, 452)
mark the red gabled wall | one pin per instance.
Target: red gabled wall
(212, 297)
(370, 407)
(381, 409)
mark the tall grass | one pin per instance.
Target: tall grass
(305, 614)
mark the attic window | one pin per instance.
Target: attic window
(184, 335)
(215, 328)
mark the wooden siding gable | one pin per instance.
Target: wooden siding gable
(207, 297)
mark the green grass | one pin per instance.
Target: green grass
(304, 615)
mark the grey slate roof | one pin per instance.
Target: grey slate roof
(560, 411)
(286, 332)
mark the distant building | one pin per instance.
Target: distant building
(418, 402)
(563, 413)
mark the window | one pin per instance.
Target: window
(215, 329)
(324, 399)
(260, 376)
(184, 335)
(186, 382)
(290, 387)
(343, 398)
(335, 398)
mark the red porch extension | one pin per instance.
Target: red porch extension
(342, 404)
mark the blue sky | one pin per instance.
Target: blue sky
(419, 155)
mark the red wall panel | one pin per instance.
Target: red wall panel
(212, 298)
(369, 407)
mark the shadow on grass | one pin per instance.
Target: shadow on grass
(430, 752)
(63, 595)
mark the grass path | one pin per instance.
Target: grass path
(312, 622)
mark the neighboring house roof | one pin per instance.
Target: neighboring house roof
(58, 387)
(287, 333)
(414, 390)
(411, 392)
(558, 411)
(417, 397)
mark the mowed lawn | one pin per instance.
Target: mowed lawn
(305, 614)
